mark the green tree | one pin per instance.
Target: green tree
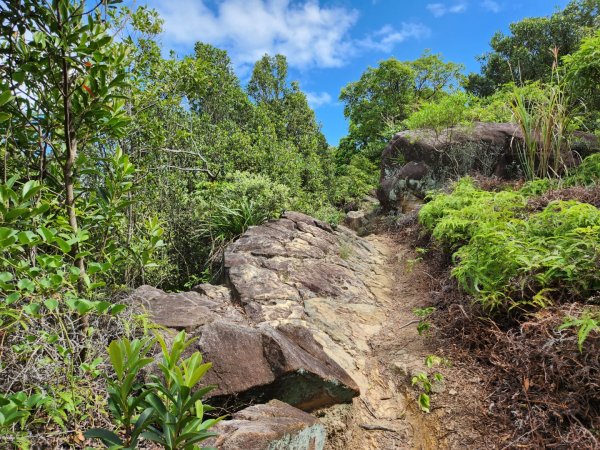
(66, 75)
(525, 54)
(386, 95)
(582, 74)
(268, 83)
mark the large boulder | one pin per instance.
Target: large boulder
(292, 323)
(263, 363)
(416, 161)
(272, 426)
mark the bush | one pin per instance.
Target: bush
(355, 180)
(169, 409)
(438, 115)
(453, 219)
(505, 258)
(587, 173)
(226, 209)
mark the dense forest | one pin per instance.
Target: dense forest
(122, 166)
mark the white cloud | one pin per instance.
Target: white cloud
(491, 5)
(318, 99)
(387, 37)
(441, 9)
(307, 33)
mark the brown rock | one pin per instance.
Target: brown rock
(272, 426)
(355, 220)
(259, 364)
(188, 310)
(429, 159)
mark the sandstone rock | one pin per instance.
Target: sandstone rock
(429, 159)
(291, 260)
(188, 310)
(295, 317)
(272, 426)
(264, 363)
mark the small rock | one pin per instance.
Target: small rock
(452, 392)
(355, 220)
(438, 388)
(274, 426)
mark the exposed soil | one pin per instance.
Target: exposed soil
(387, 415)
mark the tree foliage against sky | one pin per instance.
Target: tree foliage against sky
(525, 54)
(386, 95)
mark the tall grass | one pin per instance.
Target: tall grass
(545, 123)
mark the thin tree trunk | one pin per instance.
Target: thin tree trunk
(69, 180)
(69, 183)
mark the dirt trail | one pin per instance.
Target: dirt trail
(386, 415)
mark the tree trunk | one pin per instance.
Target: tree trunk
(69, 183)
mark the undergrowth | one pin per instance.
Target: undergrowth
(528, 256)
(508, 257)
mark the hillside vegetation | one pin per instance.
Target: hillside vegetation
(121, 167)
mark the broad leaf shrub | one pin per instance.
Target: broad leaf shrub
(167, 410)
(506, 258)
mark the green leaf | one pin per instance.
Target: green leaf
(62, 244)
(10, 299)
(106, 436)
(424, 402)
(116, 358)
(29, 189)
(4, 116)
(116, 309)
(102, 306)
(5, 97)
(26, 284)
(19, 76)
(46, 234)
(51, 304)
(5, 277)
(32, 309)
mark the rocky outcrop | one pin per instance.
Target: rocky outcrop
(419, 160)
(273, 426)
(253, 361)
(292, 323)
(189, 310)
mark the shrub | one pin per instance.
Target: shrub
(355, 180)
(454, 218)
(587, 173)
(168, 410)
(505, 258)
(447, 112)
(224, 210)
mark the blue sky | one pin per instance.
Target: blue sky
(330, 43)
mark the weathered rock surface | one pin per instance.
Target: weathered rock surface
(285, 326)
(266, 362)
(355, 220)
(325, 280)
(294, 321)
(428, 160)
(272, 426)
(188, 310)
